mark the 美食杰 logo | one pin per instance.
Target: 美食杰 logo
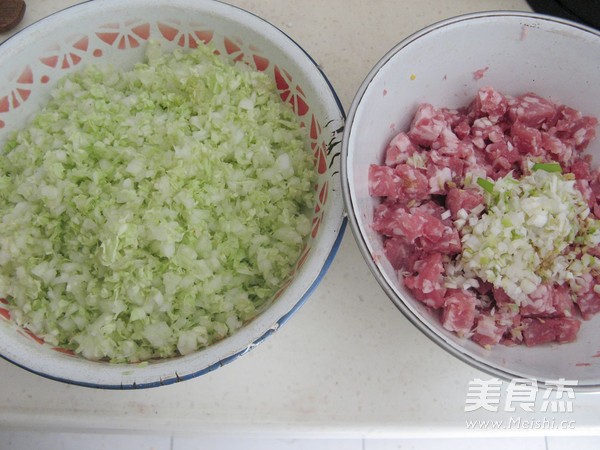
(521, 395)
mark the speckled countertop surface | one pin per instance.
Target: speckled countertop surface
(348, 363)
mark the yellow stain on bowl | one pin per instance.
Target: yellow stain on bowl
(412, 76)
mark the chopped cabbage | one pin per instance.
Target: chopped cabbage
(152, 212)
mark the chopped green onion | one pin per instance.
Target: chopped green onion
(548, 167)
(526, 238)
(487, 185)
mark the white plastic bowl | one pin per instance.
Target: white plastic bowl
(516, 53)
(116, 32)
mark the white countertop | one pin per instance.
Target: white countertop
(348, 363)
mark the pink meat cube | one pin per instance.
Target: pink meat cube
(459, 311)
(447, 141)
(588, 300)
(462, 129)
(402, 183)
(428, 207)
(448, 242)
(583, 132)
(428, 283)
(444, 171)
(574, 128)
(501, 297)
(385, 216)
(401, 254)
(527, 140)
(419, 227)
(580, 167)
(537, 331)
(427, 125)
(488, 332)
(548, 300)
(489, 103)
(531, 110)
(412, 183)
(466, 199)
(382, 181)
(399, 150)
(556, 148)
(419, 224)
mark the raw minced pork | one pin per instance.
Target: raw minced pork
(437, 183)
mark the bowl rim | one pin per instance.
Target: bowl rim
(360, 239)
(337, 223)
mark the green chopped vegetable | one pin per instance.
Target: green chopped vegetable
(152, 212)
(548, 167)
(487, 185)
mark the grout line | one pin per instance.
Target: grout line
(364, 444)
(546, 441)
(171, 441)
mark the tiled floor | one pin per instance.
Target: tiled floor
(69, 441)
